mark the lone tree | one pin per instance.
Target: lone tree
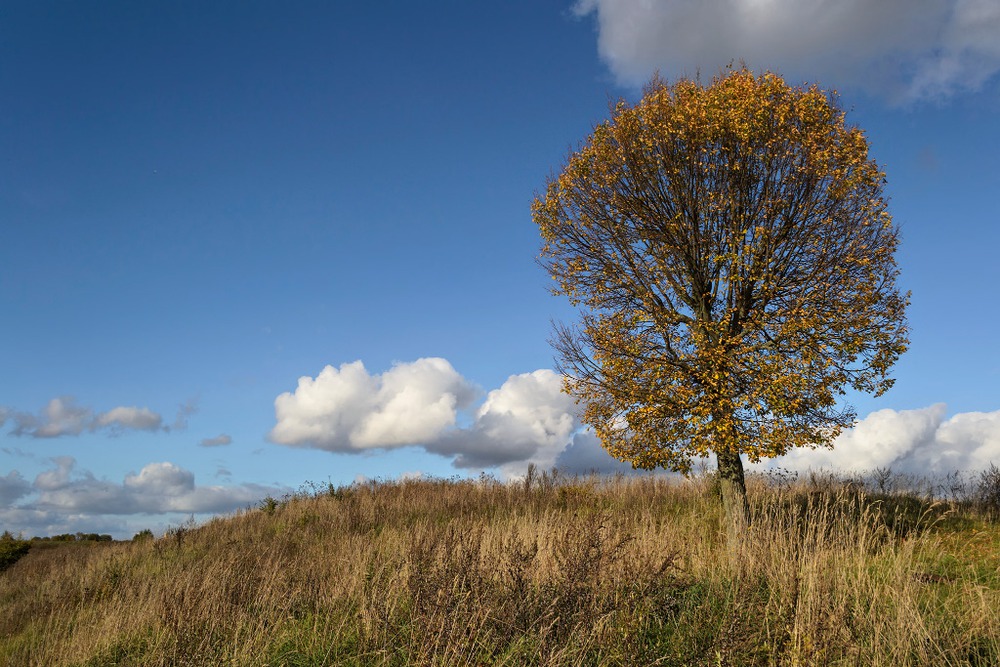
(732, 257)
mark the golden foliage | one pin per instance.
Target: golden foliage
(731, 252)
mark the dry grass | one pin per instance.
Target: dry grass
(551, 572)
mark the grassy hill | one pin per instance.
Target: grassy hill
(550, 571)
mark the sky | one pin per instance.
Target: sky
(252, 246)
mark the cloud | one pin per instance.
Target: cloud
(527, 420)
(920, 442)
(902, 49)
(218, 441)
(184, 411)
(118, 419)
(157, 488)
(585, 455)
(348, 410)
(12, 488)
(62, 416)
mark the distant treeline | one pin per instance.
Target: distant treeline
(74, 537)
(66, 537)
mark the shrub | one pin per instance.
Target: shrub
(11, 550)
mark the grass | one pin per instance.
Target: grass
(550, 571)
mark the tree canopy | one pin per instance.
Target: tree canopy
(731, 252)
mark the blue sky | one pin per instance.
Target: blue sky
(203, 204)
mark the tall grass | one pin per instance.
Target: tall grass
(550, 571)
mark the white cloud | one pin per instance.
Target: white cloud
(218, 441)
(161, 479)
(120, 418)
(58, 477)
(920, 442)
(347, 409)
(527, 420)
(903, 49)
(530, 420)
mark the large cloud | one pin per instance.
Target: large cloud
(905, 49)
(346, 409)
(527, 420)
(920, 442)
(62, 416)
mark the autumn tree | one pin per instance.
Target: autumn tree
(731, 253)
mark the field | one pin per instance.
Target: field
(548, 571)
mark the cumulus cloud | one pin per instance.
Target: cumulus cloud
(527, 420)
(904, 49)
(62, 416)
(347, 409)
(157, 488)
(218, 441)
(920, 442)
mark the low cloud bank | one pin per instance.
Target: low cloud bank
(157, 488)
(67, 499)
(905, 50)
(62, 416)
(529, 420)
(918, 442)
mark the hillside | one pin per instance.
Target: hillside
(549, 571)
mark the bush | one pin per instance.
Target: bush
(11, 550)
(988, 490)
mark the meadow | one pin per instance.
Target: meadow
(551, 570)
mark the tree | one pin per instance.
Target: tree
(731, 253)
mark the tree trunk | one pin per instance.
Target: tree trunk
(734, 494)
